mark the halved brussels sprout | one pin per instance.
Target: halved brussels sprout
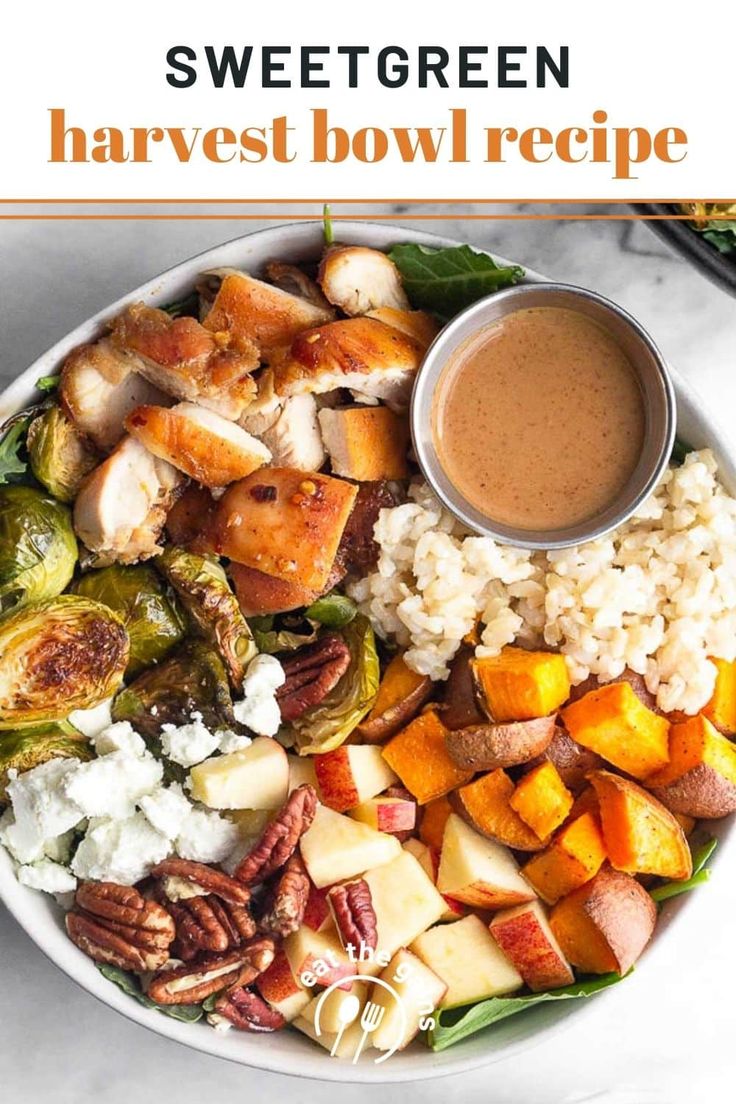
(193, 680)
(329, 724)
(205, 593)
(154, 624)
(56, 656)
(60, 457)
(335, 611)
(24, 748)
(283, 632)
(38, 549)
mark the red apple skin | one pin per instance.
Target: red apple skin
(277, 982)
(331, 975)
(335, 780)
(525, 943)
(396, 817)
(317, 913)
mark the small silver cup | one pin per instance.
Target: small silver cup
(646, 361)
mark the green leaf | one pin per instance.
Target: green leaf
(188, 1013)
(47, 383)
(457, 1024)
(11, 462)
(333, 610)
(680, 449)
(447, 280)
(327, 225)
(189, 306)
(700, 875)
(208, 1004)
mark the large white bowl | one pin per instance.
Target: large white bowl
(288, 1051)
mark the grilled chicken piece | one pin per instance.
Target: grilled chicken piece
(265, 408)
(285, 522)
(291, 278)
(294, 439)
(198, 442)
(99, 388)
(414, 323)
(365, 443)
(187, 361)
(260, 595)
(362, 354)
(357, 279)
(261, 313)
(120, 511)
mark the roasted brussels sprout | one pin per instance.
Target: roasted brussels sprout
(38, 549)
(56, 656)
(24, 748)
(329, 724)
(282, 632)
(60, 457)
(335, 611)
(192, 680)
(205, 593)
(153, 622)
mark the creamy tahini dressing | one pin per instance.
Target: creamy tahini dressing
(538, 419)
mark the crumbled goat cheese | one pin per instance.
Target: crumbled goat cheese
(189, 743)
(120, 736)
(122, 851)
(92, 721)
(48, 876)
(231, 741)
(220, 1023)
(41, 808)
(206, 837)
(111, 785)
(259, 709)
(166, 809)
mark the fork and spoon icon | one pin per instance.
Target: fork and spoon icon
(370, 1019)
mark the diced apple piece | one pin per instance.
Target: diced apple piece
(330, 1005)
(348, 1043)
(387, 814)
(420, 990)
(350, 775)
(317, 915)
(429, 860)
(284, 992)
(317, 958)
(479, 871)
(335, 847)
(468, 959)
(524, 935)
(405, 902)
(255, 778)
(301, 772)
(251, 821)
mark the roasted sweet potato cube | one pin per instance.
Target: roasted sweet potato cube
(641, 836)
(284, 522)
(700, 778)
(574, 857)
(518, 685)
(434, 818)
(419, 756)
(401, 694)
(542, 800)
(613, 722)
(606, 924)
(485, 803)
(721, 709)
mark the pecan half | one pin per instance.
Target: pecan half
(204, 877)
(249, 1012)
(116, 925)
(311, 672)
(355, 917)
(195, 981)
(280, 837)
(207, 924)
(286, 910)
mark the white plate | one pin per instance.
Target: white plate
(288, 1051)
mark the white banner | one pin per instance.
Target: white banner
(430, 101)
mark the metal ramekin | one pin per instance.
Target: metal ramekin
(647, 362)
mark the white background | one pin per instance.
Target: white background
(664, 1037)
(647, 64)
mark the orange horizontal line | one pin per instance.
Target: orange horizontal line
(459, 199)
(365, 217)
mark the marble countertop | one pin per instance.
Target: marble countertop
(665, 1037)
